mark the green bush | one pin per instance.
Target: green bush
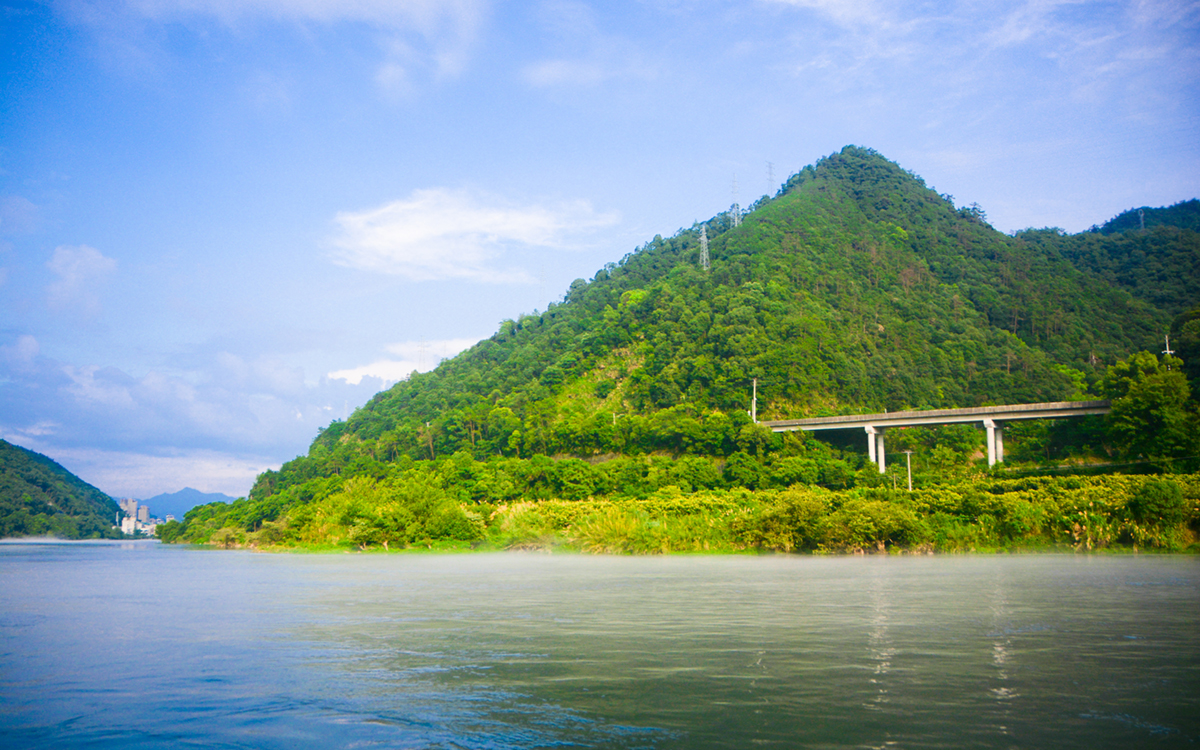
(1159, 502)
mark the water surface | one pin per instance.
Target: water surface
(142, 645)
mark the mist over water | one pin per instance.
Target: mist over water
(140, 645)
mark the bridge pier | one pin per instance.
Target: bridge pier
(995, 441)
(875, 447)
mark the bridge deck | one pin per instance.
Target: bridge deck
(1050, 410)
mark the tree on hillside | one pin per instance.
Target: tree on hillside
(1152, 416)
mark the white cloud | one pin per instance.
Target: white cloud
(104, 390)
(80, 270)
(388, 371)
(455, 234)
(419, 356)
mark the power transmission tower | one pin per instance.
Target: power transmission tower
(704, 247)
(736, 211)
(770, 178)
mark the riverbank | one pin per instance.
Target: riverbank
(976, 514)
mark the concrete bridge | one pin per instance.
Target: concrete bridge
(992, 417)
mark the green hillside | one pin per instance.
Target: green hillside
(855, 288)
(40, 498)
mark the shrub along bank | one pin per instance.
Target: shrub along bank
(979, 513)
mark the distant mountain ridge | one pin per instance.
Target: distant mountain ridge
(38, 497)
(1159, 264)
(177, 504)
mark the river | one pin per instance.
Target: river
(141, 645)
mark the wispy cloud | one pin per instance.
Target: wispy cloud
(457, 234)
(587, 56)
(418, 356)
(80, 271)
(430, 35)
(22, 353)
(18, 215)
(1064, 49)
(548, 73)
(848, 13)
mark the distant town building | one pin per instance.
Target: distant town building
(137, 518)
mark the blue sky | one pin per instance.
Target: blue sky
(224, 223)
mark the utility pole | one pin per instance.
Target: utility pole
(1168, 351)
(908, 460)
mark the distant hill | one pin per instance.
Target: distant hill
(1183, 215)
(1159, 264)
(38, 497)
(178, 503)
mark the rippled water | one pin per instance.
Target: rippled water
(139, 645)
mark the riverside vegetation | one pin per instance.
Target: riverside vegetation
(617, 419)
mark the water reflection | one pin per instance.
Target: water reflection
(1002, 625)
(880, 646)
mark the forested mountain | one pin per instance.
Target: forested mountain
(40, 498)
(854, 288)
